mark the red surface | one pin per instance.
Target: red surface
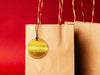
(14, 14)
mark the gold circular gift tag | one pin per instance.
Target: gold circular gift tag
(37, 48)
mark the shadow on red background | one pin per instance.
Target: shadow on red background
(14, 14)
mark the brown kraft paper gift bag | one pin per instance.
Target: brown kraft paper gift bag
(87, 47)
(60, 57)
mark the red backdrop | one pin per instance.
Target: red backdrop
(14, 14)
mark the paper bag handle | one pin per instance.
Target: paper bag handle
(60, 12)
(39, 16)
(82, 10)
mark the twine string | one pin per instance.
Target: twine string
(39, 17)
(60, 12)
(82, 10)
(93, 11)
(73, 10)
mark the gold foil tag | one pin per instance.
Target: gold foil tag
(37, 48)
